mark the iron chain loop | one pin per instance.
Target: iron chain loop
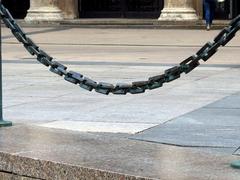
(186, 66)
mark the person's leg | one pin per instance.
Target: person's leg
(207, 11)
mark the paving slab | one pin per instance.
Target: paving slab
(40, 96)
(232, 102)
(34, 152)
(215, 125)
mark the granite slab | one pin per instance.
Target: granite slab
(227, 102)
(215, 125)
(34, 152)
(9, 176)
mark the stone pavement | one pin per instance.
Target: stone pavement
(215, 125)
(186, 112)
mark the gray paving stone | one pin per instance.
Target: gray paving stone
(38, 95)
(206, 127)
(229, 102)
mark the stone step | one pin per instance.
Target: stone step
(31, 152)
(129, 23)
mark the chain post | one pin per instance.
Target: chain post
(2, 122)
(235, 164)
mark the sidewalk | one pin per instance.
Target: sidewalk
(72, 131)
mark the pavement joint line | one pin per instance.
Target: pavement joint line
(107, 63)
(219, 108)
(179, 145)
(122, 45)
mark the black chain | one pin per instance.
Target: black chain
(207, 51)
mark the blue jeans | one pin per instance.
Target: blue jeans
(209, 10)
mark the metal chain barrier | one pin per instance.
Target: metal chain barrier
(189, 64)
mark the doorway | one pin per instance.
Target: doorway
(17, 8)
(227, 9)
(235, 8)
(223, 10)
(120, 8)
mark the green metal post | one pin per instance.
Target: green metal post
(235, 164)
(2, 122)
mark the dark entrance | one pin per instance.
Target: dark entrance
(235, 6)
(17, 8)
(228, 9)
(121, 8)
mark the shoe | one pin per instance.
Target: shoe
(208, 27)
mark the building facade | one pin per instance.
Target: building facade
(169, 10)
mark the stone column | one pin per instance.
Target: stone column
(178, 10)
(43, 10)
(69, 8)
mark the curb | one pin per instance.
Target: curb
(126, 23)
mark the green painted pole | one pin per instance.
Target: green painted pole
(2, 122)
(235, 164)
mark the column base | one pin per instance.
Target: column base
(178, 14)
(5, 123)
(43, 14)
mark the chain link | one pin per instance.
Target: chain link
(186, 66)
